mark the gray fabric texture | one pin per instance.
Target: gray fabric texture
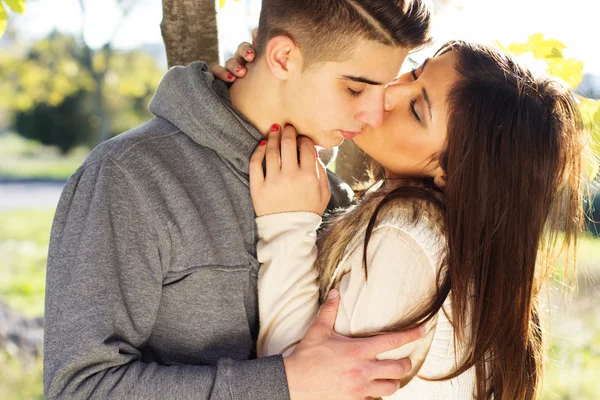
(152, 270)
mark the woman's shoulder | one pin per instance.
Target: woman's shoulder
(416, 225)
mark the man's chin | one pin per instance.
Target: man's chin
(328, 142)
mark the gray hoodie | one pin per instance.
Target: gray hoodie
(152, 271)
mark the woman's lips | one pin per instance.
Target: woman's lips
(349, 135)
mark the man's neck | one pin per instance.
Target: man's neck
(257, 96)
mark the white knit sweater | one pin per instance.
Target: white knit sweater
(403, 258)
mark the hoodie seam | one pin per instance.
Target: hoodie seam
(139, 142)
(152, 213)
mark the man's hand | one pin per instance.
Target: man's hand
(325, 365)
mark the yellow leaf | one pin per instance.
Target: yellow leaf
(540, 47)
(519, 49)
(17, 6)
(569, 70)
(546, 47)
(3, 18)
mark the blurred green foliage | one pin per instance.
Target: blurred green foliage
(28, 159)
(58, 90)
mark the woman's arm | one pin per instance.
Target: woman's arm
(401, 278)
(288, 295)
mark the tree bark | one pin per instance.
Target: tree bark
(189, 30)
(351, 163)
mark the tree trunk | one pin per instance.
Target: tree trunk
(189, 30)
(351, 163)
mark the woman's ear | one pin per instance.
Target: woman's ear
(280, 52)
(439, 178)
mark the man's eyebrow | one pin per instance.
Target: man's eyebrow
(360, 79)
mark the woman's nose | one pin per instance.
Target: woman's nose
(391, 95)
(397, 90)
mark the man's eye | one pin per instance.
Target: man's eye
(414, 74)
(354, 93)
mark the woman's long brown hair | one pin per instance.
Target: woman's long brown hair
(513, 164)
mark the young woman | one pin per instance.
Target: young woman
(481, 167)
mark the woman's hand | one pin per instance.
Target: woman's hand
(236, 67)
(295, 179)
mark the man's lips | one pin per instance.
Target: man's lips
(347, 135)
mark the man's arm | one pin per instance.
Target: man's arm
(104, 286)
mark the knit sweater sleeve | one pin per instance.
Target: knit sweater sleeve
(288, 295)
(402, 266)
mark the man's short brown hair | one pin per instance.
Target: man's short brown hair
(325, 30)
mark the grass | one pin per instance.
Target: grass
(24, 237)
(27, 159)
(574, 353)
(20, 381)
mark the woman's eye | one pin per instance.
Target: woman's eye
(354, 93)
(413, 112)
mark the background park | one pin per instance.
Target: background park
(74, 73)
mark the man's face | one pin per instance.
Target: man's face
(333, 101)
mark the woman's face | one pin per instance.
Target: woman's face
(414, 127)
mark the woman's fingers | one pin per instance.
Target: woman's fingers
(244, 54)
(234, 67)
(221, 73)
(257, 174)
(289, 149)
(308, 152)
(273, 151)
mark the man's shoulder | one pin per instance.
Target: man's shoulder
(127, 143)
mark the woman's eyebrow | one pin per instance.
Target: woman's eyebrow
(424, 91)
(426, 98)
(424, 64)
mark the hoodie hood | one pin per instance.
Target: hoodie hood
(199, 105)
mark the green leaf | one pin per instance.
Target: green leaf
(17, 6)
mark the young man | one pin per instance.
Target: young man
(152, 270)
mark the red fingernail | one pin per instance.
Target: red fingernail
(262, 143)
(249, 52)
(230, 76)
(274, 128)
(238, 69)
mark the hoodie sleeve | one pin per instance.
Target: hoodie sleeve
(104, 286)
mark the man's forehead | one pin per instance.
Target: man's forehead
(378, 67)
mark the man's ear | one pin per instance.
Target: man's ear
(282, 55)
